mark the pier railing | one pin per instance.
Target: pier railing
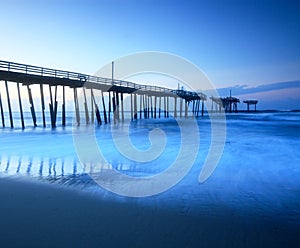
(46, 72)
(27, 75)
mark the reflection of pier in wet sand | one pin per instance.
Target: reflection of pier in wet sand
(61, 170)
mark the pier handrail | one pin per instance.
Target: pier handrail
(42, 71)
(47, 72)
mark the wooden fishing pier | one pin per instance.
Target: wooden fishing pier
(146, 101)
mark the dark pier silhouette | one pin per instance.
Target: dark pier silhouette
(251, 102)
(146, 101)
(229, 104)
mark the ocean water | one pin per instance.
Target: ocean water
(257, 180)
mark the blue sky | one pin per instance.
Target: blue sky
(234, 42)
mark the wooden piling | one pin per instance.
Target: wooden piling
(109, 106)
(118, 106)
(104, 109)
(181, 103)
(159, 110)
(63, 107)
(175, 107)
(148, 106)
(98, 117)
(92, 107)
(155, 101)
(87, 117)
(145, 106)
(51, 107)
(151, 106)
(20, 105)
(186, 109)
(122, 107)
(131, 107)
(135, 106)
(141, 105)
(2, 113)
(55, 105)
(168, 107)
(114, 107)
(193, 107)
(76, 107)
(9, 106)
(202, 108)
(32, 106)
(43, 105)
(165, 107)
(197, 107)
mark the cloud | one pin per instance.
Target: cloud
(244, 89)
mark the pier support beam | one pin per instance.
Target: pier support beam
(9, 106)
(181, 103)
(98, 117)
(104, 109)
(122, 107)
(109, 106)
(92, 107)
(151, 106)
(165, 107)
(20, 106)
(175, 107)
(114, 107)
(135, 106)
(2, 113)
(196, 108)
(141, 105)
(202, 108)
(168, 107)
(63, 108)
(32, 106)
(155, 101)
(148, 106)
(131, 106)
(159, 109)
(87, 117)
(118, 107)
(76, 107)
(145, 106)
(43, 105)
(186, 108)
(53, 106)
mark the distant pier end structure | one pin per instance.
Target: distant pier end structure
(146, 101)
(229, 104)
(251, 102)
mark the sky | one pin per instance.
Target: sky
(235, 43)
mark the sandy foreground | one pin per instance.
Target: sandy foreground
(39, 214)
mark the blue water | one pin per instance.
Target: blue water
(258, 177)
